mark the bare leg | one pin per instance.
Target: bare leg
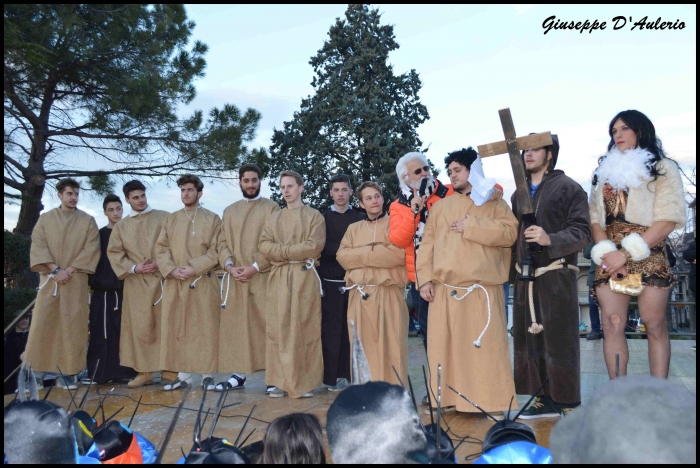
(613, 308)
(652, 309)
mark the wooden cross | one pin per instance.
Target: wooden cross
(513, 145)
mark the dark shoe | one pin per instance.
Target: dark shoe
(236, 382)
(424, 401)
(270, 389)
(543, 407)
(595, 335)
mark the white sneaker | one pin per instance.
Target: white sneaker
(278, 393)
(307, 395)
(270, 389)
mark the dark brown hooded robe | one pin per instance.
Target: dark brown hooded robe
(561, 209)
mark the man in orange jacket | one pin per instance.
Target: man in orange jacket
(407, 217)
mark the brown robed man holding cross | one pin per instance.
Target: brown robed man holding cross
(553, 227)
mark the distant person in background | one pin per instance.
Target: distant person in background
(689, 256)
(15, 342)
(596, 332)
(294, 439)
(106, 307)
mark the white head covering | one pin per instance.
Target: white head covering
(482, 188)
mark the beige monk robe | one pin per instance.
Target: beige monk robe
(480, 255)
(58, 336)
(379, 268)
(293, 357)
(133, 240)
(242, 328)
(191, 308)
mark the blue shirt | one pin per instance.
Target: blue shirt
(533, 189)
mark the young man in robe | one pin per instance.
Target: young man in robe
(187, 257)
(292, 241)
(243, 305)
(376, 277)
(463, 262)
(334, 316)
(106, 305)
(546, 339)
(132, 253)
(65, 249)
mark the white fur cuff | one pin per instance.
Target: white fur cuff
(636, 246)
(600, 249)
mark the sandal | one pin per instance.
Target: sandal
(234, 383)
(176, 384)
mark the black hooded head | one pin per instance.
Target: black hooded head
(375, 423)
(215, 451)
(553, 148)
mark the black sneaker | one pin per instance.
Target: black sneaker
(595, 335)
(543, 407)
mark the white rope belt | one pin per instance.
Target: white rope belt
(116, 298)
(468, 290)
(161, 294)
(227, 278)
(364, 295)
(55, 285)
(194, 283)
(310, 264)
(556, 265)
(334, 281)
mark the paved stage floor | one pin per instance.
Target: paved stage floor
(153, 417)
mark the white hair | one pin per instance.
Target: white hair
(402, 171)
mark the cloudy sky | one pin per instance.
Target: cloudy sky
(473, 61)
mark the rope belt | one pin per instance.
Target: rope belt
(310, 264)
(55, 285)
(161, 294)
(364, 295)
(556, 265)
(468, 290)
(227, 278)
(192, 285)
(116, 298)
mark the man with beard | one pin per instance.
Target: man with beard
(132, 253)
(65, 249)
(243, 302)
(376, 277)
(546, 337)
(408, 215)
(186, 253)
(462, 263)
(292, 241)
(334, 314)
(106, 305)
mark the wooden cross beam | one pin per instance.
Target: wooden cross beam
(513, 145)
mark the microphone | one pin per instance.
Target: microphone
(421, 191)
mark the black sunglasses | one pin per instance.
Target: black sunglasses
(421, 169)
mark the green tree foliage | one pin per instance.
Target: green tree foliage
(15, 256)
(15, 299)
(104, 82)
(362, 117)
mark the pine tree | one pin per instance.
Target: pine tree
(362, 117)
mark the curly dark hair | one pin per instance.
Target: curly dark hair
(191, 179)
(465, 157)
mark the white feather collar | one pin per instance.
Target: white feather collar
(624, 171)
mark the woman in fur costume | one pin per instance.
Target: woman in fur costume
(636, 202)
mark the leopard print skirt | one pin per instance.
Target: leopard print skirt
(655, 270)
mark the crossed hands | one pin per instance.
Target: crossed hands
(147, 267)
(242, 274)
(183, 273)
(614, 264)
(64, 276)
